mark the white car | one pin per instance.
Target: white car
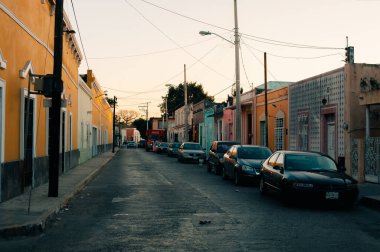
(131, 144)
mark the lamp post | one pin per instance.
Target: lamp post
(237, 72)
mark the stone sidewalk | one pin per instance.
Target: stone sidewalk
(14, 216)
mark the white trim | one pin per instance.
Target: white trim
(27, 68)
(2, 126)
(3, 62)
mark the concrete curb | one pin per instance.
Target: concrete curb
(371, 202)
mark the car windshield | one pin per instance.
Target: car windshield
(192, 146)
(309, 163)
(176, 145)
(253, 153)
(163, 144)
(223, 147)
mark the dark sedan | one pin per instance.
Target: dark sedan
(191, 152)
(244, 162)
(173, 149)
(307, 176)
(162, 148)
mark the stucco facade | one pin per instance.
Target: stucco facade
(26, 50)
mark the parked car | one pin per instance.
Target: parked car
(173, 149)
(244, 162)
(191, 152)
(162, 147)
(155, 145)
(215, 155)
(131, 144)
(301, 175)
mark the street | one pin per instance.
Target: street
(143, 201)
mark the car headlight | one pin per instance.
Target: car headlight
(303, 185)
(247, 168)
(221, 160)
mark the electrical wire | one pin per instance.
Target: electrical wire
(80, 37)
(245, 71)
(173, 41)
(184, 16)
(287, 44)
(150, 53)
(256, 38)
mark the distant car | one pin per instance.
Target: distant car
(173, 149)
(131, 144)
(215, 155)
(191, 152)
(301, 175)
(162, 147)
(155, 145)
(244, 162)
(141, 143)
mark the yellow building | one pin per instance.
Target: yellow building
(26, 49)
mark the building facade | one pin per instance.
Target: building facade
(26, 54)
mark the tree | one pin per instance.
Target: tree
(127, 116)
(176, 94)
(140, 125)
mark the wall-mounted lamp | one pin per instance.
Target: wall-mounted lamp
(324, 101)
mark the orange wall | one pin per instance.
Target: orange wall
(279, 98)
(18, 47)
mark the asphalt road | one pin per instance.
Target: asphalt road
(148, 202)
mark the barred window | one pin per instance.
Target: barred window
(303, 131)
(279, 134)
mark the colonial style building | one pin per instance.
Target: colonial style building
(26, 50)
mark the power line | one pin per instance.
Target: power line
(80, 37)
(287, 44)
(252, 37)
(173, 41)
(184, 16)
(150, 53)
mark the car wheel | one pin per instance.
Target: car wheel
(262, 187)
(236, 178)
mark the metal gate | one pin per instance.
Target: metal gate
(372, 160)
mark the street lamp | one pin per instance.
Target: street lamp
(237, 73)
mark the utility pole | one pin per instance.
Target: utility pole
(145, 108)
(114, 124)
(266, 99)
(55, 119)
(237, 75)
(186, 109)
(167, 118)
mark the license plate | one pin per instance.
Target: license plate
(332, 195)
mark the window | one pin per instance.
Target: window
(279, 134)
(272, 159)
(302, 131)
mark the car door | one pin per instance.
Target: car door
(228, 161)
(278, 171)
(267, 171)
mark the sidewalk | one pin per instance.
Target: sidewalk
(14, 218)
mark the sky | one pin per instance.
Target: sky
(136, 47)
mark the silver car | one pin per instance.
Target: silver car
(191, 152)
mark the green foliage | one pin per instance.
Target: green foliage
(140, 125)
(176, 94)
